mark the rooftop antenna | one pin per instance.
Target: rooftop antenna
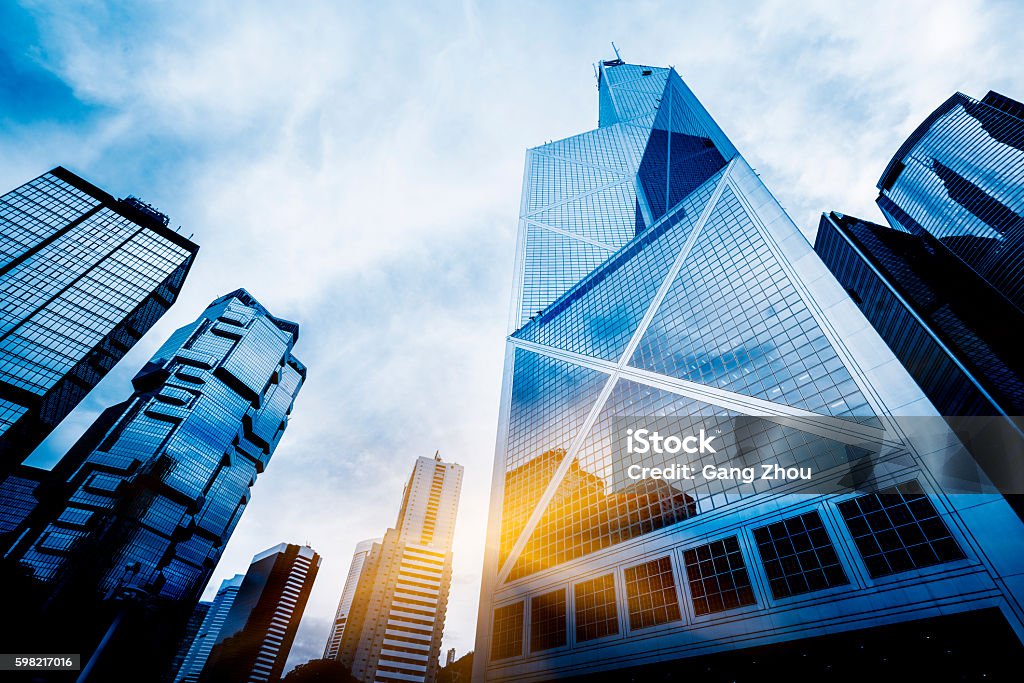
(617, 55)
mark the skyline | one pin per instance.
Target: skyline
(475, 227)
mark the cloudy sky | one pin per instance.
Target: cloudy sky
(357, 167)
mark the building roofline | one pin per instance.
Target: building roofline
(127, 207)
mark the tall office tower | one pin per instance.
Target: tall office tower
(253, 644)
(705, 308)
(960, 178)
(209, 630)
(954, 332)
(355, 570)
(82, 277)
(152, 492)
(396, 619)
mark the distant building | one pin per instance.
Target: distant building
(396, 620)
(200, 647)
(355, 571)
(82, 277)
(188, 636)
(253, 643)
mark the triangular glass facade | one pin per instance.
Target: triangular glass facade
(662, 285)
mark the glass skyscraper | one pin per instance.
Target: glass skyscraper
(140, 509)
(253, 643)
(660, 284)
(82, 277)
(201, 646)
(960, 178)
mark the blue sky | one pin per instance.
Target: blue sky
(357, 167)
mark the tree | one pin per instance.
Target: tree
(320, 671)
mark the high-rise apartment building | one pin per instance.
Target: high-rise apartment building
(659, 284)
(355, 571)
(396, 618)
(82, 277)
(253, 643)
(201, 646)
(138, 512)
(959, 177)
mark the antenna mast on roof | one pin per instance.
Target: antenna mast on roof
(617, 55)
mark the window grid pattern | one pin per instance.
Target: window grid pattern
(507, 634)
(596, 505)
(35, 211)
(553, 264)
(798, 556)
(606, 215)
(597, 613)
(550, 401)
(718, 577)
(732, 319)
(651, 594)
(598, 316)
(898, 529)
(548, 621)
(554, 180)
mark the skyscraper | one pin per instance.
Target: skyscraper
(140, 509)
(705, 307)
(941, 284)
(82, 277)
(189, 634)
(954, 332)
(355, 571)
(959, 177)
(253, 644)
(396, 619)
(199, 650)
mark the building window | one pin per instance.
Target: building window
(651, 594)
(798, 556)
(547, 621)
(718, 577)
(507, 639)
(898, 529)
(597, 614)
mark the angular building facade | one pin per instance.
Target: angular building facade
(396, 618)
(201, 646)
(955, 333)
(136, 515)
(699, 303)
(82, 277)
(960, 179)
(253, 643)
(348, 593)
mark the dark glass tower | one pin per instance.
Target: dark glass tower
(82, 277)
(253, 644)
(660, 284)
(139, 511)
(955, 333)
(959, 177)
